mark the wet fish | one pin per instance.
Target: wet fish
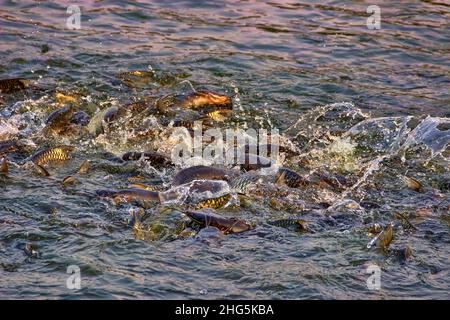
(383, 239)
(30, 250)
(3, 166)
(403, 254)
(127, 195)
(290, 178)
(80, 118)
(13, 85)
(69, 180)
(200, 173)
(402, 217)
(139, 106)
(412, 184)
(219, 115)
(375, 229)
(153, 157)
(164, 103)
(369, 205)
(102, 120)
(85, 166)
(8, 147)
(55, 154)
(240, 184)
(187, 233)
(226, 225)
(71, 97)
(299, 224)
(41, 170)
(201, 99)
(146, 187)
(59, 119)
(214, 203)
(111, 114)
(212, 105)
(142, 78)
(335, 181)
(254, 162)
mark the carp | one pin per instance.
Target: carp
(290, 178)
(8, 147)
(224, 224)
(153, 157)
(13, 85)
(127, 195)
(200, 173)
(55, 154)
(3, 165)
(298, 224)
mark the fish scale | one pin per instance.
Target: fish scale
(55, 154)
(214, 203)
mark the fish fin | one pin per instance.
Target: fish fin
(3, 165)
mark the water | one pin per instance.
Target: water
(283, 63)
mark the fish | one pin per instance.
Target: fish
(254, 162)
(200, 173)
(402, 217)
(102, 120)
(80, 118)
(146, 187)
(215, 106)
(3, 166)
(374, 229)
(30, 250)
(111, 114)
(85, 166)
(403, 254)
(127, 195)
(54, 154)
(187, 233)
(214, 203)
(138, 106)
(69, 97)
(383, 239)
(202, 98)
(41, 170)
(226, 225)
(219, 115)
(142, 78)
(290, 178)
(8, 147)
(163, 104)
(412, 184)
(13, 85)
(335, 181)
(69, 180)
(59, 120)
(153, 157)
(241, 183)
(299, 224)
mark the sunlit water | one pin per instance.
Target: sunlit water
(283, 63)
